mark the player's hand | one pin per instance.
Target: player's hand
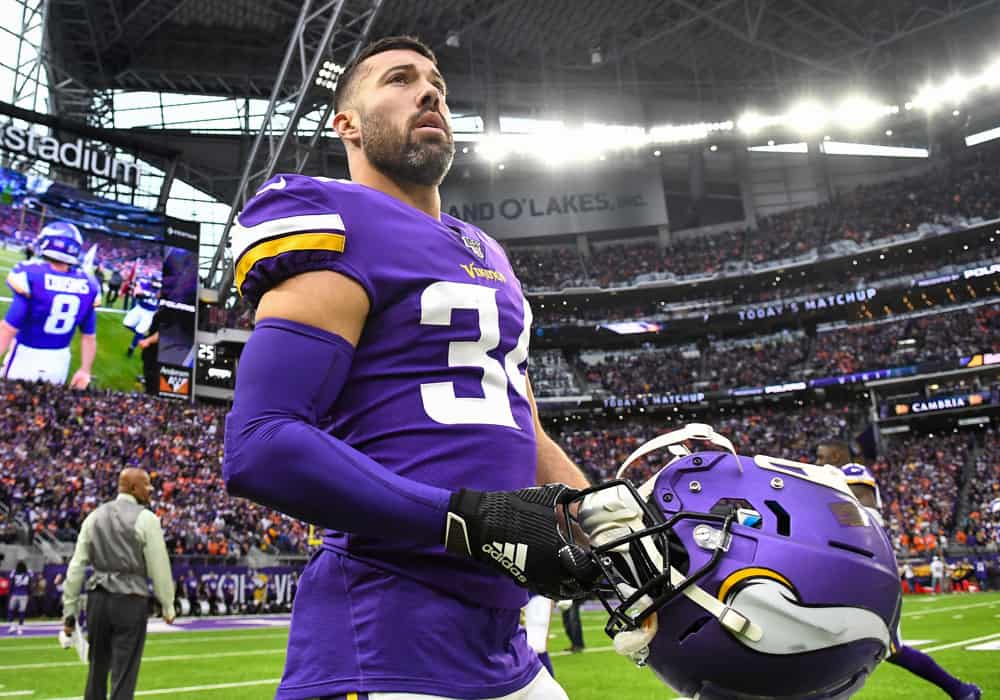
(517, 532)
(80, 380)
(169, 619)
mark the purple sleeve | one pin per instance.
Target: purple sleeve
(276, 455)
(18, 311)
(294, 225)
(88, 324)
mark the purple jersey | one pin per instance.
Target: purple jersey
(436, 393)
(49, 305)
(20, 584)
(147, 295)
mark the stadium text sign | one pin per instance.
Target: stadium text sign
(541, 206)
(654, 400)
(69, 154)
(941, 404)
(794, 307)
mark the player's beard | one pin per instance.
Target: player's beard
(397, 155)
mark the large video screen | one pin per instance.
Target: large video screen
(85, 283)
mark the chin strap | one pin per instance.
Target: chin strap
(674, 443)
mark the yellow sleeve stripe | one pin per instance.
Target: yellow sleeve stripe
(276, 246)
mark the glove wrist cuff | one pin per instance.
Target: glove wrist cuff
(459, 537)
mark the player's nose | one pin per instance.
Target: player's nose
(430, 97)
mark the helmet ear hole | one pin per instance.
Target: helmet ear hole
(694, 627)
(782, 519)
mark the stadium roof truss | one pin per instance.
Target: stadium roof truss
(524, 57)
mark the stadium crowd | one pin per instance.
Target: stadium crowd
(919, 475)
(694, 301)
(599, 445)
(66, 449)
(791, 356)
(946, 196)
(982, 524)
(919, 479)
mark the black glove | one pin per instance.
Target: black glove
(69, 622)
(517, 532)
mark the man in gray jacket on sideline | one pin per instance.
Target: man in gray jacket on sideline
(123, 542)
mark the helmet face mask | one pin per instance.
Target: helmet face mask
(637, 565)
(60, 242)
(734, 577)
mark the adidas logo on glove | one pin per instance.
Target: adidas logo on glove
(511, 557)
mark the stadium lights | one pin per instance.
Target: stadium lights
(858, 112)
(853, 112)
(329, 74)
(954, 91)
(807, 117)
(982, 136)
(751, 122)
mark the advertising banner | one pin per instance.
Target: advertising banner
(568, 203)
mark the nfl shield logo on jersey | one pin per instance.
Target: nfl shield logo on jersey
(474, 245)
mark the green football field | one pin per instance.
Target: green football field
(962, 632)
(112, 369)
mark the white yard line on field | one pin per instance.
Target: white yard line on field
(164, 639)
(193, 688)
(951, 645)
(148, 659)
(914, 613)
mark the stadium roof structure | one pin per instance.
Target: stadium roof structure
(666, 59)
(678, 48)
(715, 50)
(520, 56)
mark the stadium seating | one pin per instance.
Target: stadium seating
(919, 475)
(789, 356)
(67, 449)
(866, 214)
(980, 527)
(919, 478)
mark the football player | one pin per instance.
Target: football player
(383, 395)
(140, 317)
(865, 488)
(52, 298)
(20, 590)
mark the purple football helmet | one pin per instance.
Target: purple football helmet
(60, 241)
(859, 474)
(742, 578)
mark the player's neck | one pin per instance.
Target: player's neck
(425, 198)
(59, 267)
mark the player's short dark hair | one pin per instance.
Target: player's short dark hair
(387, 43)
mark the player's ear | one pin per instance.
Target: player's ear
(347, 124)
